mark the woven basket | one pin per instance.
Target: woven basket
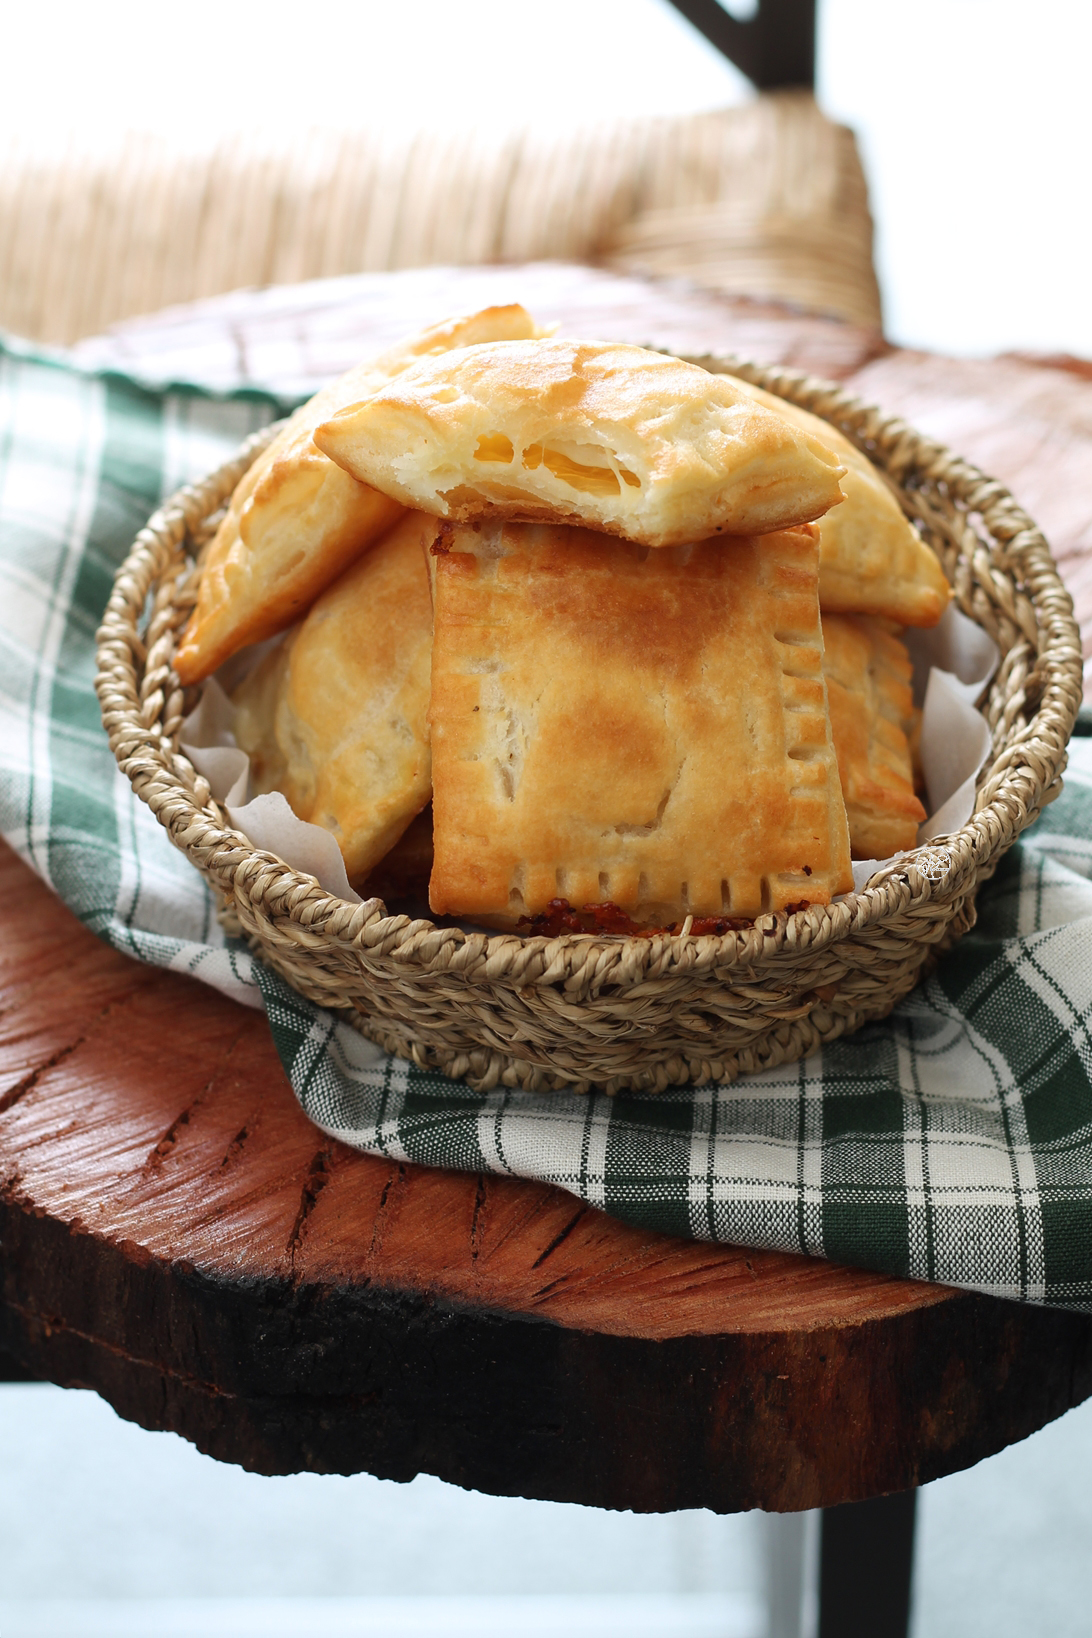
(618, 1013)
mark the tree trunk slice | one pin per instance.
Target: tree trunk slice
(1025, 422)
(293, 339)
(177, 1236)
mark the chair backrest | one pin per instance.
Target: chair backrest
(767, 200)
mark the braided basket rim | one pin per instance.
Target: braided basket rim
(142, 705)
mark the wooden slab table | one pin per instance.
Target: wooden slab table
(177, 1236)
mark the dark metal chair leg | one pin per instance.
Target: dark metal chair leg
(775, 48)
(866, 1560)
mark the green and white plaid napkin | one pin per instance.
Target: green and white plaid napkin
(952, 1142)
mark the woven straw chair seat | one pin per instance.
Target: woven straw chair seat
(766, 200)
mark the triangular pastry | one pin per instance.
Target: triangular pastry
(336, 716)
(872, 559)
(868, 675)
(616, 438)
(296, 520)
(648, 729)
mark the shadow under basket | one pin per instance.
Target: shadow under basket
(607, 1011)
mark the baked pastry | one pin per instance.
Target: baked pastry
(868, 689)
(872, 560)
(336, 716)
(616, 438)
(296, 520)
(648, 729)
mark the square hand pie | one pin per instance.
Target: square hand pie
(868, 688)
(871, 558)
(643, 728)
(336, 716)
(296, 520)
(615, 438)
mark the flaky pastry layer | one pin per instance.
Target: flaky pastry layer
(296, 520)
(868, 675)
(336, 716)
(616, 438)
(872, 560)
(645, 728)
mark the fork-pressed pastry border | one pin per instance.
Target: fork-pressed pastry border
(584, 1010)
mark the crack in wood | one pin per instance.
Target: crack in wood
(179, 1124)
(12, 1096)
(27, 1145)
(387, 1187)
(52, 1325)
(479, 1204)
(318, 1175)
(399, 1177)
(559, 1239)
(174, 1131)
(235, 1147)
(521, 1221)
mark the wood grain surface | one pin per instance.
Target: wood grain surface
(293, 338)
(176, 1235)
(1028, 423)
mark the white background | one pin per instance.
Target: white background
(110, 1532)
(973, 115)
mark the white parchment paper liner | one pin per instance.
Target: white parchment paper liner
(266, 821)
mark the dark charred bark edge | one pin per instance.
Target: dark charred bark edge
(12, 1371)
(282, 1377)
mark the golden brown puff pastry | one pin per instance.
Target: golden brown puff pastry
(647, 729)
(336, 716)
(912, 725)
(868, 688)
(872, 559)
(296, 520)
(612, 437)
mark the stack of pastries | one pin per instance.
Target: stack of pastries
(590, 637)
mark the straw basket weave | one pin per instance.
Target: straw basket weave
(592, 1010)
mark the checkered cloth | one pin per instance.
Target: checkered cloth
(952, 1142)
